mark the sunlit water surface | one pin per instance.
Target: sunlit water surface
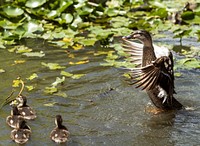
(101, 108)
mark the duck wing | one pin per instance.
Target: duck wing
(159, 72)
(135, 50)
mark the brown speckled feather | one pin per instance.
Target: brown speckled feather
(151, 75)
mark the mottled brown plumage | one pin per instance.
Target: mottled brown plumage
(25, 110)
(21, 134)
(60, 133)
(15, 118)
(154, 69)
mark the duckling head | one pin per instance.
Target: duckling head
(58, 121)
(22, 100)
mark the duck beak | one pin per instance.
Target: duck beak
(128, 37)
(135, 35)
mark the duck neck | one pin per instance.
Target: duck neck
(148, 54)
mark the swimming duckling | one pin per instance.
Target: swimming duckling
(26, 111)
(21, 135)
(154, 68)
(60, 133)
(15, 118)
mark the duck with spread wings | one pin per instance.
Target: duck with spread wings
(154, 69)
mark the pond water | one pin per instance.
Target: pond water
(101, 108)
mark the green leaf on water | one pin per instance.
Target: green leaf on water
(29, 87)
(58, 81)
(100, 53)
(73, 76)
(127, 75)
(76, 21)
(118, 22)
(50, 90)
(13, 11)
(34, 54)
(35, 3)
(22, 49)
(62, 94)
(2, 45)
(53, 66)
(33, 76)
(77, 76)
(58, 35)
(52, 14)
(16, 83)
(2, 70)
(67, 74)
(112, 12)
(114, 3)
(177, 74)
(181, 32)
(187, 15)
(85, 41)
(51, 104)
(32, 26)
(188, 63)
(161, 12)
(66, 18)
(89, 41)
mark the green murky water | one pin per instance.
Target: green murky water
(101, 108)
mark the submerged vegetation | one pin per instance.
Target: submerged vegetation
(76, 24)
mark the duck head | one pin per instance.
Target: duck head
(141, 35)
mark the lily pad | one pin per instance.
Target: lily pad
(33, 76)
(177, 74)
(23, 49)
(77, 47)
(73, 76)
(67, 74)
(67, 18)
(85, 41)
(50, 90)
(19, 61)
(13, 11)
(77, 76)
(76, 21)
(52, 14)
(16, 83)
(34, 54)
(53, 66)
(79, 62)
(32, 26)
(2, 70)
(188, 15)
(51, 104)
(58, 81)
(35, 3)
(188, 63)
(62, 94)
(29, 87)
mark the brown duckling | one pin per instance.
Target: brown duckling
(15, 118)
(154, 69)
(26, 111)
(21, 134)
(60, 133)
